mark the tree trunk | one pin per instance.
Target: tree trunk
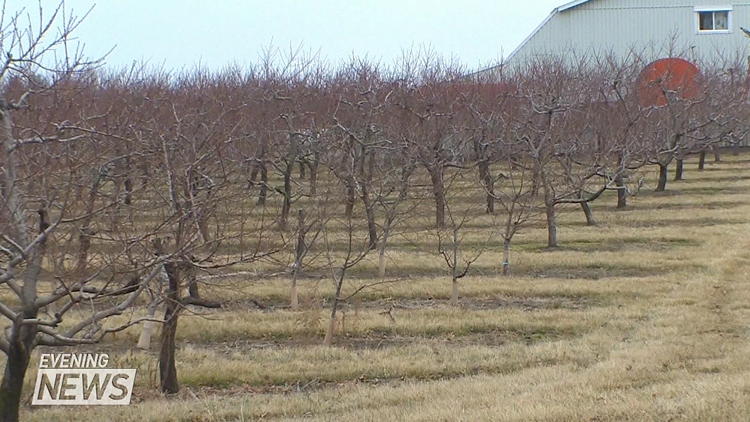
(702, 160)
(549, 205)
(193, 287)
(145, 174)
(287, 205)
(586, 209)
(506, 257)
(202, 220)
(588, 213)
(678, 169)
(167, 368)
(490, 202)
(128, 182)
(454, 292)
(263, 192)
(717, 154)
(438, 191)
(21, 336)
(372, 227)
(328, 340)
(662, 185)
(314, 176)
(381, 261)
(488, 184)
(128, 191)
(21, 343)
(622, 193)
(350, 195)
(299, 253)
(253, 176)
(86, 232)
(551, 226)
(406, 173)
(390, 216)
(301, 169)
(294, 297)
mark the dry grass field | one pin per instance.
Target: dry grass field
(643, 317)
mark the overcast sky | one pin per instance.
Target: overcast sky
(180, 34)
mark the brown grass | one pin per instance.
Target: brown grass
(643, 317)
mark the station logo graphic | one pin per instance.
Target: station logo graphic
(81, 379)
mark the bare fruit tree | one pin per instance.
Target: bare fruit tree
(455, 239)
(193, 130)
(55, 202)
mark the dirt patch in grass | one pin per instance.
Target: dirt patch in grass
(266, 304)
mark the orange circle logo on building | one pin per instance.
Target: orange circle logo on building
(667, 78)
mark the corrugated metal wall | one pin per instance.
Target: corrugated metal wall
(649, 27)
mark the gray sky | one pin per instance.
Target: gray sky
(180, 34)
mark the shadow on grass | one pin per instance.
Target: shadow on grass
(697, 177)
(375, 299)
(584, 271)
(612, 245)
(714, 205)
(597, 271)
(383, 338)
(680, 222)
(686, 189)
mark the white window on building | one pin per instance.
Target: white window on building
(713, 20)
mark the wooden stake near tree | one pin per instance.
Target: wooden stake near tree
(147, 331)
(302, 247)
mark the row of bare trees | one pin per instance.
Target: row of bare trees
(125, 188)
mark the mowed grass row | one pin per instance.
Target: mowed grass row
(641, 317)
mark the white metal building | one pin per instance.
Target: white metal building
(697, 29)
